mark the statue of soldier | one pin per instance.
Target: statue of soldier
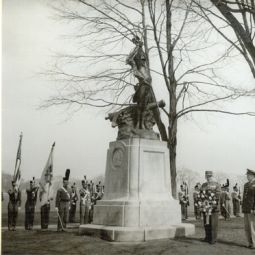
(211, 229)
(13, 205)
(63, 202)
(73, 202)
(143, 91)
(236, 200)
(30, 205)
(248, 208)
(85, 203)
(184, 201)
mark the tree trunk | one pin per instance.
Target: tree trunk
(172, 136)
(156, 111)
(172, 143)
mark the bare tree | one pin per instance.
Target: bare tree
(237, 15)
(188, 176)
(175, 45)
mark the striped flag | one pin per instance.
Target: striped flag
(47, 172)
(17, 172)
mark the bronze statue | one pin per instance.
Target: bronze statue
(143, 94)
(137, 120)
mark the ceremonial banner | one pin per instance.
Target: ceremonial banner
(45, 193)
(17, 172)
(47, 173)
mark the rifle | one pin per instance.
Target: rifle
(226, 209)
(239, 195)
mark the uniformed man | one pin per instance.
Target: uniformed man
(211, 229)
(63, 202)
(184, 201)
(45, 196)
(225, 198)
(85, 203)
(248, 208)
(197, 211)
(13, 205)
(73, 201)
(30, 205)
(236, 200)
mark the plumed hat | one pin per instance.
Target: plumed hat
(226, 185)
(67, 174)
(249, 171)
(33, 180)
(208, 173)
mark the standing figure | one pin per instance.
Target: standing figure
(236, 200)
(225, 198)
(63, 202)
(13, 205)
(248, 208)
(197, 211)
(30, 205)
(184, 201)
(143, 91)
(85, 203)
(45, 196)
(211, 227)
(73, 201)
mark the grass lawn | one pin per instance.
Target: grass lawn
(231, 240)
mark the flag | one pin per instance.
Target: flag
(17, 172)
(47, 172)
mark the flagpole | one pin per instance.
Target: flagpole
(17, 174)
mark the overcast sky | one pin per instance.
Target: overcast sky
(30, 36)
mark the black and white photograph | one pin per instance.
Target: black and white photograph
(128, 127)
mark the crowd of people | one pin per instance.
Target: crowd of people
(66, 202)
(211, 198)
(228, 202)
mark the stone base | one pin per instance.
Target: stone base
(136, 234)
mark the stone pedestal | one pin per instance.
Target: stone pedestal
(137, 203)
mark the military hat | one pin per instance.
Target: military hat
(209, 173)
(197, 185)
(226, 185)
(32, 181)
(249, 171)
(67, 174)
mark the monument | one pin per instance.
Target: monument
(137, 203)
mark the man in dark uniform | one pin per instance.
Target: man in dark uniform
(30, 205)
(85, 203)
(13, 205)
(184, 201)
(196, 193)
(225, 198)
(236, 200)
(211, 227)
(248, 208)
(73, 201)
(63, 202)
(45, 196)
